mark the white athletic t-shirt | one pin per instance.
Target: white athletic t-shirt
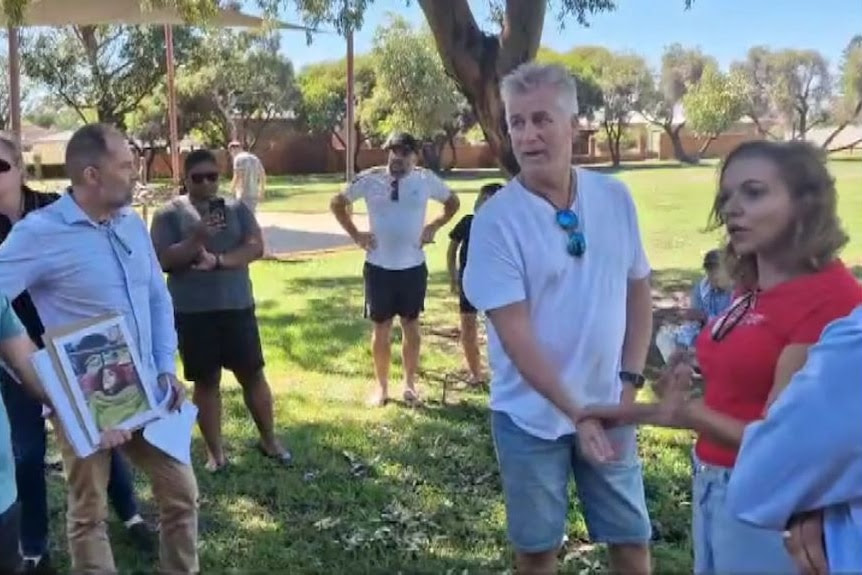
(397, 226)
(577, 305)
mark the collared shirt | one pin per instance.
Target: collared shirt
(397, 221)
(76, 269)
(709, 299)
(807, 453)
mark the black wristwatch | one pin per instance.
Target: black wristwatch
(635, 379)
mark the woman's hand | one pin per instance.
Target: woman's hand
(674, 388)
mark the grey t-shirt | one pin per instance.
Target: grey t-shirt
(196, 291)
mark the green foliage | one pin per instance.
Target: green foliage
(412, 86)
(681, 68)
(323, 88)
(109, 69)
(713, 104)
(793, 86)
(850, 83)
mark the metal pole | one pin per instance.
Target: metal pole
(14, 82)
(351, 137)
(172, 106)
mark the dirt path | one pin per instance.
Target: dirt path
(288, 233)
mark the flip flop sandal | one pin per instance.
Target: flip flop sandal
(284, 458)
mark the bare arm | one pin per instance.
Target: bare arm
(262, 182)
(175, 255)
(638, 331)
(512, 324)
(450, 208)
(16, 352)
(340, 208)
(252, 248)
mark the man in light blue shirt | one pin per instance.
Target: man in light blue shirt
(806, 456)
(15, 350)
(86, 255)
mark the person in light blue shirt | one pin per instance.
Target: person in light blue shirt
(15, 350)
(86, 255)
(799, 470)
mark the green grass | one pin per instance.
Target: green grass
(399, 490)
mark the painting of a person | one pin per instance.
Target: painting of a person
(109, 381)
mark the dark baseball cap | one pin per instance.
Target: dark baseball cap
(401, 140)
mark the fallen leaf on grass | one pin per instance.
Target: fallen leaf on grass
(326, 523)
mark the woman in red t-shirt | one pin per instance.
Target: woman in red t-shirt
(777, 202)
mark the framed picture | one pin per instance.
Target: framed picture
(100, 368)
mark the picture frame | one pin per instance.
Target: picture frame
(100, 370)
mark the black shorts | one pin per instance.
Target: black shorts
(212, 340)
(463, 303)
(394, 292)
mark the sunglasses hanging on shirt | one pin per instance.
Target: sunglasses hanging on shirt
(393, 190)
(5, 167)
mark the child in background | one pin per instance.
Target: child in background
(710, 296)
(459, 239)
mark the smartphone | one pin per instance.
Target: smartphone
(217, 212)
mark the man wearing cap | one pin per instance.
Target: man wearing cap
(249, 178)
(395, 274)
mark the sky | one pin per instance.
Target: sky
(725, 29)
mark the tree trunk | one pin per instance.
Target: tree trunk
(614, 135)
(357, 145)
(477, 61)
(676, 141)
(705, 146)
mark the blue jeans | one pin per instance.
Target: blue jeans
(536, 474)
(724, 545)
(29, 445)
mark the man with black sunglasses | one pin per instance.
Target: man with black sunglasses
(396, 277)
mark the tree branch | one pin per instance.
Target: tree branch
(522, 33)
(846, 147)
(844, 124)
(459, 39)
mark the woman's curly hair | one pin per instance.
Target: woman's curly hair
(816, 236)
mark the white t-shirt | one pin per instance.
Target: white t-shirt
(577, 305)
(397, 225)
(250, 169)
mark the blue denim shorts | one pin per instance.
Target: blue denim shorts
(722, 543)
(536, 472)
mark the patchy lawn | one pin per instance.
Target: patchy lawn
(415, 491)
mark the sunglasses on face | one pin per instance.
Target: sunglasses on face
(577, 242)
(211, 177)
(734, 316)
(5, 167)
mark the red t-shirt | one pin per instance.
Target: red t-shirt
(739, 370)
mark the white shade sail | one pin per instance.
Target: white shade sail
(129, 12)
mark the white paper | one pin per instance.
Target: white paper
(172, 433)
(63, 409)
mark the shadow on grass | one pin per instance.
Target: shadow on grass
(418, 492)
